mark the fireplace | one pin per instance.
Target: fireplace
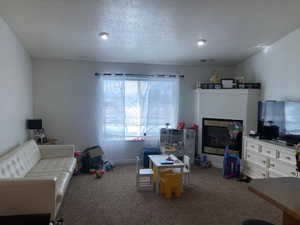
(217, 133)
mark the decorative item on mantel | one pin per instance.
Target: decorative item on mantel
(215, 77)
(228, 83)
(214, 82)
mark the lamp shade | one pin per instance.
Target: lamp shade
(34, 124)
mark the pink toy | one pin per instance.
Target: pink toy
(99, 173)
(180, 125)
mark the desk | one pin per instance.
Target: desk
(283, 193)
(50, 141)
(156, 160)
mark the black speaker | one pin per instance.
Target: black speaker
(269, 132)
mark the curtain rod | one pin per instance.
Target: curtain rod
(137, 75)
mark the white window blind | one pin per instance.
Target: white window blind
(132, 106)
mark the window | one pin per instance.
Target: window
(131, 107)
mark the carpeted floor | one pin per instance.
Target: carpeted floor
(114, 200)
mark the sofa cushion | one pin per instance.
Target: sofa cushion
(63, 178)
(66, 164)
(20, 160)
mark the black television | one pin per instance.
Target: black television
(283, 114)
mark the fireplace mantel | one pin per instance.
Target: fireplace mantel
(232, 104)
(229, 91)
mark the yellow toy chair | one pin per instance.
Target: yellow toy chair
(162, 172)
(171, 183)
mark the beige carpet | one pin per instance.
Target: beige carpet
(114, 200)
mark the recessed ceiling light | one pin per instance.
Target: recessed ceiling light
(104, 35)
(201, 42)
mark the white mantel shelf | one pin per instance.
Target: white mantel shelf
(228, 91)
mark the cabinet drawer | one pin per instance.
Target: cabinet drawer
(269, 152)
(257, 158)
(252, 146)
(283, 168)
(287, 157)
(273, 173)
(254, 171)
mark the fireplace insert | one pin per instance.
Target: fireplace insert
(217, 133)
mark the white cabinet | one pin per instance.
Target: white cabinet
(263, 159)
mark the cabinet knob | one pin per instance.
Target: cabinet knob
(248, 156)
(269, 152)
(273, 165)
(264, 162)
(293, 173)
(263, 174)
(288, 158)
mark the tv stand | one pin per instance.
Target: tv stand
(266, 158)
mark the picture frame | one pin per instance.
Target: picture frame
(227, 83)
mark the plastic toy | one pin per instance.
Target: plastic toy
(231, 164)
(99, 173)
(108, 166)
(92, 171)
(194, 127)
(202, 161)
(180, 125)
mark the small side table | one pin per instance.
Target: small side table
(50, 141)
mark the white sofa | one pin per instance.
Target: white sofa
(34, 179)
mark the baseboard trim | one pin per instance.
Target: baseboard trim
(123, 161)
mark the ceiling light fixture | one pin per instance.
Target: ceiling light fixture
(104, 35)
(201, 42)
(264, 47)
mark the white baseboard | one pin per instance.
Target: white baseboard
(123, 161)
(216, 161)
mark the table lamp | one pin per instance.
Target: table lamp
(36, 126)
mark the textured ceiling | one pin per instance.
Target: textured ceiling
(150, 31)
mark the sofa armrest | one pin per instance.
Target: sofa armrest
(56, 151)
(21, 196)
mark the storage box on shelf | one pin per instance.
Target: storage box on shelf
(264, 159)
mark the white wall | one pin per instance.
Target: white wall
(65, 96)
(278, 69)
(15, 89)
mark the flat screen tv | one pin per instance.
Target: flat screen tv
(283, 114)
